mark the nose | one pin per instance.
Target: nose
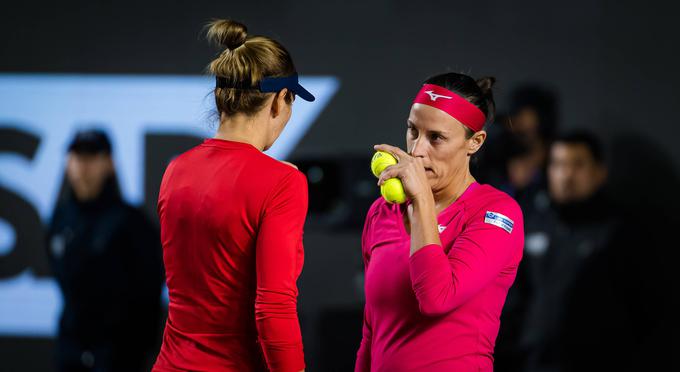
(417, 150)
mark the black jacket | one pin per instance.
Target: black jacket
(592, 291)
(106, 257)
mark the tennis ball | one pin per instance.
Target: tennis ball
(380, 161)
(393, 191)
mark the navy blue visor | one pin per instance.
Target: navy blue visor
(269, 85)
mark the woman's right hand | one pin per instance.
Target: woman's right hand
(410, 170)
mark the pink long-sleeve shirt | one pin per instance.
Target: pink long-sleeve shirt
(439, 309)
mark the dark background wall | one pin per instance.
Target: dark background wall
(613, 65)
(612, 62)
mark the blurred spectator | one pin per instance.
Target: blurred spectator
(106, 258)
(591, 292)
(532, 121)
(517, 163)
(534, 112)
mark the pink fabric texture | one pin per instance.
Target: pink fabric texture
(439, 310)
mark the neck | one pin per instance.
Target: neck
(242, 128)
(446, 196)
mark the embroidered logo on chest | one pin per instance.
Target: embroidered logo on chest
(497, 219)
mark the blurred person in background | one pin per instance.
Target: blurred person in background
(439, 266)
(515, 160)
(232, 220)
(591, 292)
(105, 256)
(533, 116)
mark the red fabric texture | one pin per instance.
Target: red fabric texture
(231, 226)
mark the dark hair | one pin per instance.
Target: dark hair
(540, 99)
(476, 92)
(90, 141)
(586, 138)
(245, 58)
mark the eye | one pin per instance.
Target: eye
(412, 131)
(435, 137)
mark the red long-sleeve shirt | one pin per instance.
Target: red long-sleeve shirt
(439, 309)
(231, 227)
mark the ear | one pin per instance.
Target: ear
(278, 103)
(475, 142)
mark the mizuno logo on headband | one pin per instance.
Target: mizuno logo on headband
(434, 96)
(451, 103)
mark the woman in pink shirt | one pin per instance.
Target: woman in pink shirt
(438, 267)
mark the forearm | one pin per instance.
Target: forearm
(279, 332)
(423, 220)
(443, 281)
(278, 262)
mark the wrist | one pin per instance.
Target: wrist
(423, 200)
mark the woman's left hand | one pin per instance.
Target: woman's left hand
(410, 170)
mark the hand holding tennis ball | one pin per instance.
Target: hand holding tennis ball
(392, 190)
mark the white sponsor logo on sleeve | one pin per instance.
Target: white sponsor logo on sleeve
(497, 219)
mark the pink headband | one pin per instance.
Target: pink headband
(451, 103)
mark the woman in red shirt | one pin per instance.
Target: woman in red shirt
(438, 268)
(232, 219)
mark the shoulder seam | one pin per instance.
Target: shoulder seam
(272, 190)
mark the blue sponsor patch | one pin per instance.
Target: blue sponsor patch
(499, 220)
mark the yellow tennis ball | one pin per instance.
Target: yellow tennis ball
(380, 161)
(393, 191)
